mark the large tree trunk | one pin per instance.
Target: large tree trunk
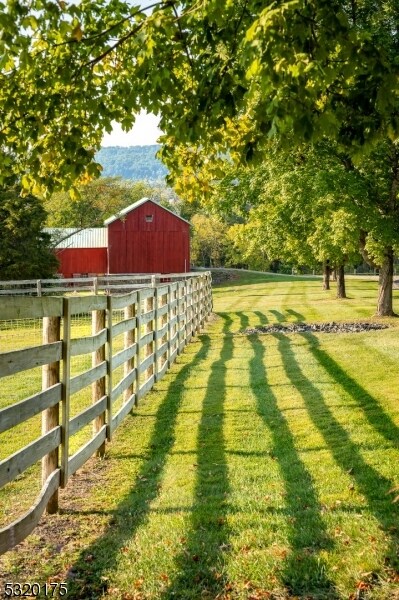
(384, 303)
(326, 275)
(341, 292)
(334, 273)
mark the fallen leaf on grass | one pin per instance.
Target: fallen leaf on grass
(393, 578)
(363, 585)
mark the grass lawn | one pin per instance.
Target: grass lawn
(261, 466)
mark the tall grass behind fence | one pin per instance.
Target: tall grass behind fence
(71, 369)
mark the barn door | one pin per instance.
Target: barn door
(155, 251)
(117, 259)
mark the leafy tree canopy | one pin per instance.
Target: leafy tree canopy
(224, 80)
(102, 198)
(209, 240)
(314, 204)
(25, 251)
(300, 207)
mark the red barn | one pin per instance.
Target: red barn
(143, 238)
(148, 238)
(81, 252)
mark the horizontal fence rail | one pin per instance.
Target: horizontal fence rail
(122, 345)
(105, 284)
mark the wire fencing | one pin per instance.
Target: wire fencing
(71, 369)
(106, 284)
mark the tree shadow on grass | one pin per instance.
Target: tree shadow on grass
(298, 316)
(280, 317)
(86, 576)
(201, 563)
(369, 482)
(245, 321)
(263, 320)
(303, 570)
(372, 409)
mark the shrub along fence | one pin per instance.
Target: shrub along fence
(134, 338)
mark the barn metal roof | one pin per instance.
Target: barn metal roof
(128, 209)
(72, 237)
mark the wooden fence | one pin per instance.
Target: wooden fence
(156, 324)
(107, 284)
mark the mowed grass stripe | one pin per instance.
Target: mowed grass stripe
(287, 527)
(259, 465)
(344, 430)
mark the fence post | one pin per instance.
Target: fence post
(130, 338)
(209, 295)
(193, 300)
(139, 344)
(171, 314)
(204, 300)
(109, 367)
(38, 288)
(198, 306)
(150, 328)
(155, 329)
(95, 286)
(185, 307)
(50, 416)
(66, 377)
(98, 387)
(179, 317)
(164, 321)
(188, 331)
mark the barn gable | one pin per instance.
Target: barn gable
(148, 238)
(128, 209)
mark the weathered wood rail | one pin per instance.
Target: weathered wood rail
(156, 324)
(96, 284)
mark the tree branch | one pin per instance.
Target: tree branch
(102, 33)
(122, 40)
(362, 249)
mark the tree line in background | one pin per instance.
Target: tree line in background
(314, 205)
(303, 212)
(137, 163)
(286, 113)
(27, 251)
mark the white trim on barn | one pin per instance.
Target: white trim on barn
(72, 237)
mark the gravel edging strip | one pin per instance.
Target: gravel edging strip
(316, 327)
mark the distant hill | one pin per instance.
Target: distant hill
(132, 162)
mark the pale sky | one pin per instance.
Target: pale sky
(145, 132)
